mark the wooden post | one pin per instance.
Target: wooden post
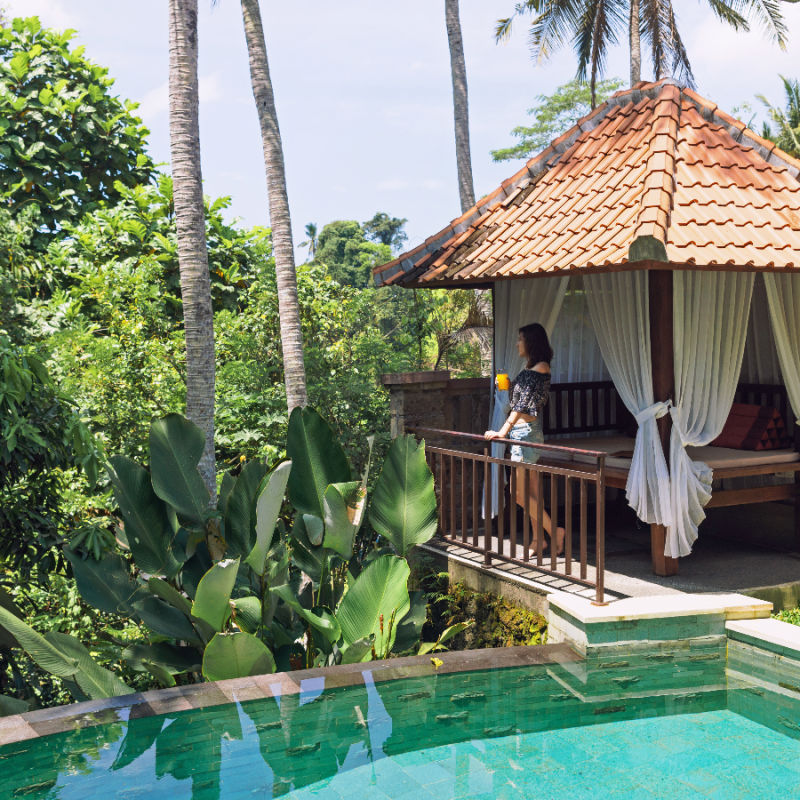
(661, 352)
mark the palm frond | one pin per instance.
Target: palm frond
(504, 26)
(554, 25)
(729, 11)
(768, 13)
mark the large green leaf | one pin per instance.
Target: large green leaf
(7, 602)
(247, 613)
(240, 510)
(12, 705)
(268, 508)
(165, 620)
(170, 594)
(176, 446)
(236, 655)
(95, 681)
(319, 618)
(409, 630)
(306, 557)
(147, 526)
(318, 460)
(49, 657)
(403, 507)
(105, 584)
(379, 591)
(344, 510)
(175, 659)
(212, 600)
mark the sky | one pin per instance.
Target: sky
(364, 97)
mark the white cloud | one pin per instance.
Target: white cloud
(52, 13)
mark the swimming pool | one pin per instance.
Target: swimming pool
(650, 723)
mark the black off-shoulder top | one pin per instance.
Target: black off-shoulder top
(530, 392)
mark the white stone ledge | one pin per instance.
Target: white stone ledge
(770, 634)
(733, 606)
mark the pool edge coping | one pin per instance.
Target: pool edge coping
(60, 719)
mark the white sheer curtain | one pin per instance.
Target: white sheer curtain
(577, 355)
(517, 303)
(760, 363)
(783, 294)
(709, 328)
(620, 311)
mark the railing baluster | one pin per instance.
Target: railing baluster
(526, 519)
(553, 520)
(475, 515)
(539, 518)
(463, 499)
(501, 510)
(567, 525)
(512, 511)
(487, 517)
(453, 498)
(584, 514)
(600, 531)
(442, 518)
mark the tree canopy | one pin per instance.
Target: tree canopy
(66, 143)
(786, 121)
(554, 114)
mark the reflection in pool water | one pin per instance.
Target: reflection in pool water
(643, 722)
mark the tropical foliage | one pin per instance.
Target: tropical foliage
(553, 114)
(786, 121)
(252, 585)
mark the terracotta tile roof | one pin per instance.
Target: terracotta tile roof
(656, 173)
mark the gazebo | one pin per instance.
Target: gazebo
(658, 241)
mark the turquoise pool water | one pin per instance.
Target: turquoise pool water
(650, 725)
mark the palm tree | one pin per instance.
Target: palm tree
(594, 25)
(458, 71)
(787, 123)
(198, 317)
(312, 240)
(282, 245)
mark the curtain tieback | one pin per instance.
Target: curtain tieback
(677, 427)
(655, 411)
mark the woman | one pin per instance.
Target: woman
(529, 393)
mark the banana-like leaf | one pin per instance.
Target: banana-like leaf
(403, 507)
(379, 591)
(212, 600)
(236, 655)
(176, 446)
(105, 584)
(163, 676)
(247, 613)
(148, 531)
(12, 705)
(95, 681)
(306, 557)
(268, 507)
(240, 510)
(344, 511)
(169, 594)
(166, 620)
(359, 651)
(173, 658)
(7, 602)
(409, 631)
(318, 460)
(447, 634)
(315, 529)
(321, 619)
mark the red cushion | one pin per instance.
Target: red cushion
(751, 427)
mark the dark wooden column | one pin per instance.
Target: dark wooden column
(661, 351)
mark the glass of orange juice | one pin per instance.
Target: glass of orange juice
(503, 383)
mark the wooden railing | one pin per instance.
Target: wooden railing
(463, 487)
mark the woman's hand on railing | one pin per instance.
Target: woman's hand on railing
(493, 435)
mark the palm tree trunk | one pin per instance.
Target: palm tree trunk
(636, 44)
(198, 315)
(458, 69)
(282, 244)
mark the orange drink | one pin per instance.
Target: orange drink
(503, 383)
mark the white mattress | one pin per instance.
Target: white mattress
(620, 450)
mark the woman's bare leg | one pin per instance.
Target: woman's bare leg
(532, 501)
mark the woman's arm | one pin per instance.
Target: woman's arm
(513, 418)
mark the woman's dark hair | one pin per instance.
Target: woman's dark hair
(537, 346)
